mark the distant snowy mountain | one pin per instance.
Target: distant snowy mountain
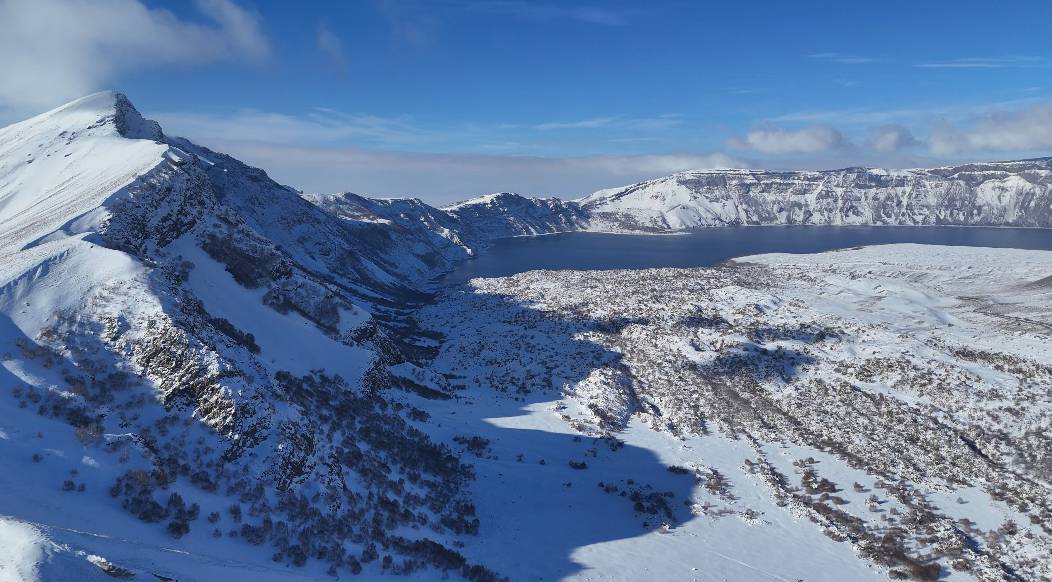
(989, 194)
(995, 194)
(505, 214)
(457, 231)
(431, 235)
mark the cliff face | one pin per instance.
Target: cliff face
(990, 194)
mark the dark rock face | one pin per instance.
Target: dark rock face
(505, 215)
(423, 239)
(131, 124)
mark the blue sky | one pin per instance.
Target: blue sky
(444, 99)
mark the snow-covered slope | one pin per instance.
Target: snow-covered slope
(852, 415)
(191, 351)
(61, 165)
(443, 236)
(996, 193)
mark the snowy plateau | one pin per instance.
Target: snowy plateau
(207, 375)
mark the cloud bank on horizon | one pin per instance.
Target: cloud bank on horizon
(393, 98)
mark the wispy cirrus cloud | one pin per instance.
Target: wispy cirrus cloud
(322, 126)
(920, 114)
(410, 21)
(590, 14)
(590, 123)
(330, 45)
(417, 23)
(746, 91)
(318, 127)
(614, 122)
(1003, 62)
(55, 50)
(843, 58)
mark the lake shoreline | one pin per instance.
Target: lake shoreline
(704, 247)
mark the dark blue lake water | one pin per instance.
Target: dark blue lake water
(706, 247)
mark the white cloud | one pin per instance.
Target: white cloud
(52, 51)
(892, 138)
(777, 140)
(331, 46)
(651, 164)
(240, 31)
(911, 115)
(1026, 130)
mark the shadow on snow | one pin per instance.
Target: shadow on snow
(544, 490)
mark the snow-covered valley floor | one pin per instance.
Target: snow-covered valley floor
(860, 414)
(850, 415)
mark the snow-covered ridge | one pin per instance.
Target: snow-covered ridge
(180, 335)
(1015, 193)
(493, 198)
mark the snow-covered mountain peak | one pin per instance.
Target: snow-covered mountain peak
(58, 166)
(487, 199)
(105, 112)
